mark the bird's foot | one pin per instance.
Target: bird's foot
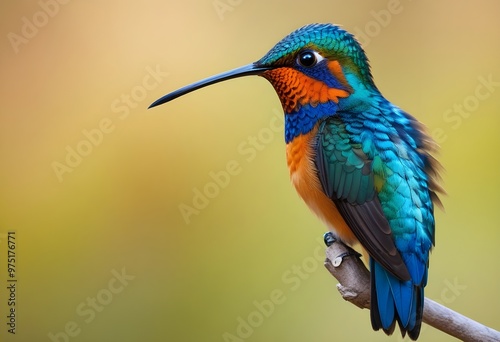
(330, 239)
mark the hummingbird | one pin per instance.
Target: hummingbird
(364, 166)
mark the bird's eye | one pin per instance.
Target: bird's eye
(309, 58)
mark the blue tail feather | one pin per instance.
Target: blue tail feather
(395, 300)
(385, 300)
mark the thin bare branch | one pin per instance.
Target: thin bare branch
(354, 287)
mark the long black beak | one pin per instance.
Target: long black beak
(250, 69)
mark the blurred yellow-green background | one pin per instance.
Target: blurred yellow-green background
(93, 184)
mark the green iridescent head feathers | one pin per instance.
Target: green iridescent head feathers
(330, 40)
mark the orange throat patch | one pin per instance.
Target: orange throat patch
(296, 89)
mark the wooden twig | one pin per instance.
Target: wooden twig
(354, 287)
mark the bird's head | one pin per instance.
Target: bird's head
(315, 70)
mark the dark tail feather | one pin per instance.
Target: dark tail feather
(415, 331)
